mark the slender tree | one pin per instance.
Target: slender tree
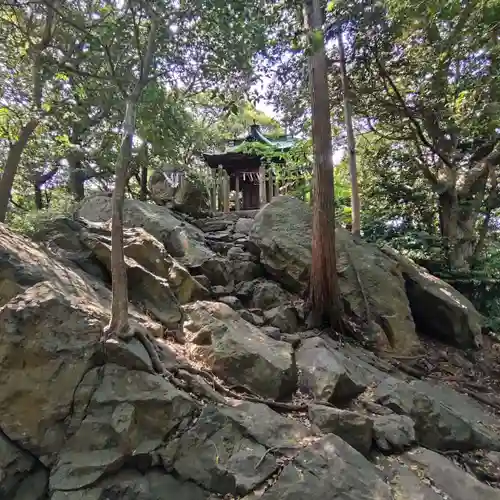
(17, 147)
(119, 322)
(351, 144)
(324, 294)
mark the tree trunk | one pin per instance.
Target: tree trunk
(324, 294)
(119, 324)
(144, 183)
(351, 144)
(144, 174)
(77, 177)
(39, 181)
(12, 164)
(458, 232)
(38, 197)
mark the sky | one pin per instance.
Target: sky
(267, 108)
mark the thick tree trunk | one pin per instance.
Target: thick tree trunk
(324, 294)
(458, 232)
(77, 178)
(12, 164)
(351, 143)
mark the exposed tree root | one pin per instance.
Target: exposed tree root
(218, 386)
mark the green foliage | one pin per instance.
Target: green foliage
(30, 222)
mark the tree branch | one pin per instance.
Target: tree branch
(408, 113)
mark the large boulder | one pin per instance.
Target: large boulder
(323, 373)
(452, 481)
(354, 428)
(438, 309)
(444, 419)
(242, 353)
(132, 484)
(368, 278)
(217, 455)
(393, 432)
(61, 235)
(150, 291)
(182, 240)
(329, 468)
(88, 246)
(118, 414)
(41, 366)
(174, 186)
(22, 477)
(24, 264)
(262, 294)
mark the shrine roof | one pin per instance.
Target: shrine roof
(235, 157)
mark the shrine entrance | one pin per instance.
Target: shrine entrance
(251, 183)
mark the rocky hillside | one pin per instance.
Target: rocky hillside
(237, 399)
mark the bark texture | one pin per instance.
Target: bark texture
(119, 324)
(11, 165)
(351, 143)
(17, 148)
(324, 294)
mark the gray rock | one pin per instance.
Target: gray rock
(354, 428)
(393, 432)
(251, 317)
(404, 483)
(131, 354)
(133, 485)
(151, 291)
(203, 281)
(187, 194)
(215, 454)
(246, 270)
(149, 253)
(262, 294)
(217, 270)
(329, 468)
(181, 239)
(437, 307)
(322, 374)
(267, 294)
(242, 354)
(453, 482)
(243, 225)
(118, 413)
(237, 253)
(272, 332)
(377, 409)
(220, 236)
(231, 301)
(34, 400)
(266, 426)
(444, 419)
(33, 486)
(283, 232)
(61, 236)
(283, 317)
(21, 476)
(221, 291)
(213, 224)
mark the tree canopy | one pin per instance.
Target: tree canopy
(422, 80)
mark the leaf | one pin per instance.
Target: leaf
(330, 6)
